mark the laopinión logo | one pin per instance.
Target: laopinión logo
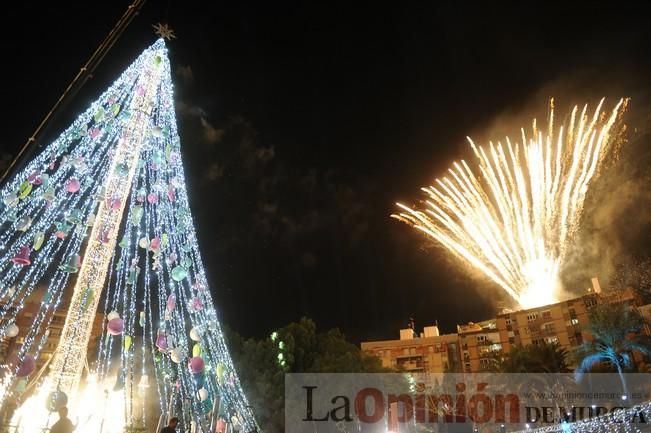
(399, 402)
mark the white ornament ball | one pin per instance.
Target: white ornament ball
(12, 331)
(113, 315)
(203, 394)
(195, 335)
(176, 355)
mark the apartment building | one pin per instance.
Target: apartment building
(566, 323)
(473, 348)
(479, 343)
(425, 352)
(25, 319)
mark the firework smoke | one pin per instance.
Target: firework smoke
(514, 221)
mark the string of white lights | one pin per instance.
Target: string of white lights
(119, 165)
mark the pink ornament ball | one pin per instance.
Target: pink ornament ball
(154, 245)
(73, 185)
(26, 367)
(115, 326)
(152, 198)
(196, 365)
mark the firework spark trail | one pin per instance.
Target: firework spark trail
(514, 221)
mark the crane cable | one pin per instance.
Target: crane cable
(85, 73)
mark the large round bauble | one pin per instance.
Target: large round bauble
(113, 315)
(196, 365)
(115, 326)
(194, 334)
(26, 367)
(12, 331)
(179, 273)
(73, 185)
(176, 355)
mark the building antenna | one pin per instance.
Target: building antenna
(84, 74)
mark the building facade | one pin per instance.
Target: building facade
(476, 346)
(566, 323)
(479, 342)
(425, 352)
(25, 319)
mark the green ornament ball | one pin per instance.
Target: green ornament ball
(179, 273)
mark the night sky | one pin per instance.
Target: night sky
(302, 124)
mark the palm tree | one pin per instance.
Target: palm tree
(615, 329)
(534, 358)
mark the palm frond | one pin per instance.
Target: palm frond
(587, 363)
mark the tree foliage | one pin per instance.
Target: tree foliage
(616, 330)
(534, 358)
(295, 348)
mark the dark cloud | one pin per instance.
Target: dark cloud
(309, 259)
(215, 172)
(210, 134)
(185, 72)
(264, 154)
(184, 109)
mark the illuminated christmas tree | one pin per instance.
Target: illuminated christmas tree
(103, 211)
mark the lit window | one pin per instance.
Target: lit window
(552, 340)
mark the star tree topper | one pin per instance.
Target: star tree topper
(164, 31)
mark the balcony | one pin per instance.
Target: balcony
(412, 366)
(411, 362)
(409, 356)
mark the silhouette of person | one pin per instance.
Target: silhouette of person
(171, 426)
(63, 425)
